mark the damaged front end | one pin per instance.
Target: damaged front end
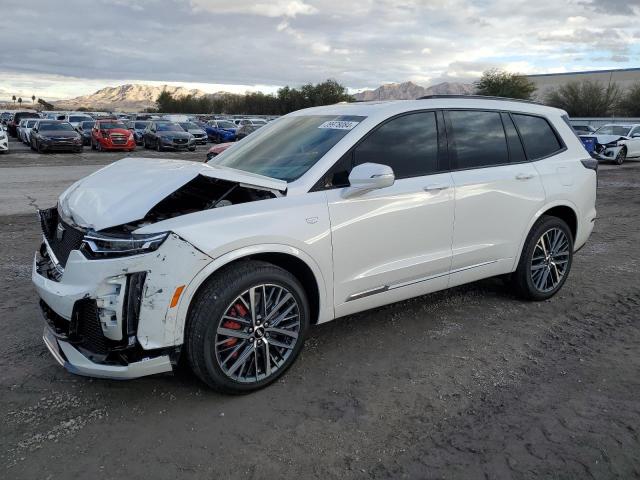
(109, 294)
(603, 149)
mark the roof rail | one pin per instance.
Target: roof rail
(477, 97)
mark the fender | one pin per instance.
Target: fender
(325, 313)
(534, 219)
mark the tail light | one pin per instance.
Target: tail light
(590, 163)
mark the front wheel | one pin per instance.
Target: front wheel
(546, 259)
(246, 327)
(621, 156)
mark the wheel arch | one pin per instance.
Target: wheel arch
(564, 210)
(289, 258)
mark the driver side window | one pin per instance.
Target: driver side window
(408, 144)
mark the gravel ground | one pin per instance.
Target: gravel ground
(467, 383)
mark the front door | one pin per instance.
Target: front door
(395, 242)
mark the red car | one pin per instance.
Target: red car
(112, 135)
(218, 149)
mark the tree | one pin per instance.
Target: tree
(286, 100)
(33, 99)
(588, 98)
(20, 101)
(630, 102)
(14, 99)
(498, 83)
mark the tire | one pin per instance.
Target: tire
(158, 146)
(621, 156)
(99, 146)
(219, 298)
(192, 149)
(39, 148)
(93, 145)
(532, 285)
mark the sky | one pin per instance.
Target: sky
(65, 48)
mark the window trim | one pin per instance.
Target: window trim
(442, 157)
(446, 141)
(563, 146)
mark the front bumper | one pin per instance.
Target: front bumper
(608, 154)
(75, 362)
(61, 146)
(4, 145)
(109, 145)
(101, 322)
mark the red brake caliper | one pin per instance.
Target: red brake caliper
(237, 310)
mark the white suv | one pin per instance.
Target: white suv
(322, 213)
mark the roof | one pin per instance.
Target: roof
(393, 107)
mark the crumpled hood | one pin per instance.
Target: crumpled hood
(127, 190)
(604, 139)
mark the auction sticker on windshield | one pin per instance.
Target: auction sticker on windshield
(338, 125)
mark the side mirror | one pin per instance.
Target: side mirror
(369, 176)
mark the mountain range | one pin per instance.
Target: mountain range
(138, 97)
(129, 97)
(411, 91)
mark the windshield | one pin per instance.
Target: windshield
(613, 130)
(87, 125)
(31, 123)
(82, 118)
(111, 125)
(189, 126)
(169, 127)
(47, 126)
(287, 148)
(226, 124)
(140, 125)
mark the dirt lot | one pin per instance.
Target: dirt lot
(467, 383)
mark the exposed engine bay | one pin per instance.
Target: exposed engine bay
(201, 193)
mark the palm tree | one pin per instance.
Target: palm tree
(20, 100)
(33, 99)
(14, 99)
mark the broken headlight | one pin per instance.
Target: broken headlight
(104, 245)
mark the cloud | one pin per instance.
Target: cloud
(364, 43)
(277, 8)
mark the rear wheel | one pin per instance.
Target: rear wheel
(546, 259)
(246, 327)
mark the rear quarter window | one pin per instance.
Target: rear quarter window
(540, 140)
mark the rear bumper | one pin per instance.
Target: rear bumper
(75, 362)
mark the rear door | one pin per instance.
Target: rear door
(395, 242)
(497, 193)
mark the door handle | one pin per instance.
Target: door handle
(524, 176)
(436, 187)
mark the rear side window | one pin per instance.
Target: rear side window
(477, 139)
(516, 152)
(537, 135)
(408, 144)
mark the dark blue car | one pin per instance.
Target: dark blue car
(220, 131)
(137, 127)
